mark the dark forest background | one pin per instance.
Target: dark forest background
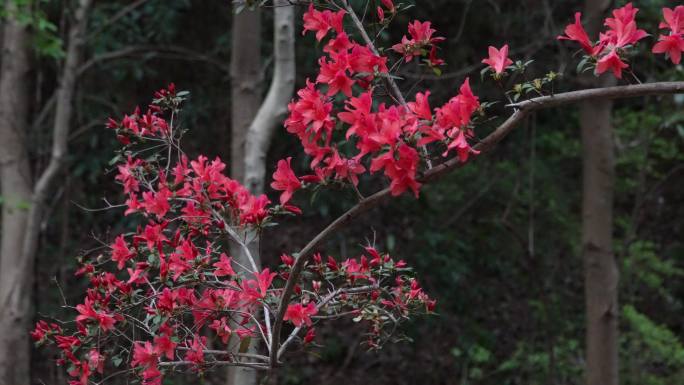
(496, 243)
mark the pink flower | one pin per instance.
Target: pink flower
(256, 289)
(163, 345)
(498, 59)
(421, 37)
(322, 22)
(674, 19)
(127, 175)
(310, 335)
(223, 266)
(144, 355)
(611, 62)
(222, 328)
(285, 180)
(287, 260)
(120, 252)
(577, 33)
(157, 203)
(622, 28)
(672, 46)
(195, 353)
(421, 107)
(299, 314)
(87, 312)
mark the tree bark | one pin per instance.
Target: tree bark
(600, 269)
(258, 135)
(16, 289)
(245, 79)
(15, 177)
(274, 108)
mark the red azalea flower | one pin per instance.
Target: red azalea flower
(164, 346)
(671, 45)
(421, 107)
(321, 22)
(285, 180)
(299, 314)
(224, 266)
(120, 252)
(310, 335)
(622, 27)
(498, 59)
(196, 352)
(674, 19)
(611, 62)
(222, 329)
(577, 33)
(144, 355)
(256, 289)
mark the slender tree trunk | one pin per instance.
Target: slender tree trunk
(16, 289)
(245, 78)
(274, 108)
(600, 270)
(15, 178)
(260, 130)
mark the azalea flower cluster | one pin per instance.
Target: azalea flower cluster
(672, 44)
(199, 186)
(169, 295)
(386, 138)
(421, 42)
(622, 34)
(372, 287)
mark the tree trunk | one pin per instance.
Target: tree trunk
(600, 269)
(15, 177)
(274, 108)
(257, 137)
(245, 79)
(16, 289)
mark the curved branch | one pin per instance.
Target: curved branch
(523, 109)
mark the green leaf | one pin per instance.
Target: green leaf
(244, 344)
(116, 360)
(581, 65)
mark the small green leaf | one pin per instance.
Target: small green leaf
(244, 344)
(116, 360)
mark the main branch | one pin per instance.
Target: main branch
(523, 109)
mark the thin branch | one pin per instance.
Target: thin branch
(391, 84)
(117, 16)
(183, 54)
(319, 306)
(523, 109)
(251, 365)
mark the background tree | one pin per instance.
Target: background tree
(16, 193)
(600, 268)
